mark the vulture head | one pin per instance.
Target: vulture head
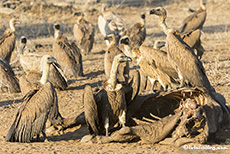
(126, 41)
(13, 22)
(22, 45)
(159, 11)
(45, 63)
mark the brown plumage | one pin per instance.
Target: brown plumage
(84, 34)
(7, 41)
(112, 51)
(8, 80)
(151, 63)
(31, 64)
(192, 38)
(137, 32)
(190, 68)
(32, 115)
(196, 20)
(67, 54)
(108, 106)
(39, 105)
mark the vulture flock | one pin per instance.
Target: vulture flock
(181, 96)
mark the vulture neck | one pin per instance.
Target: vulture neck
(56, 33)
(45, 73)
(142, 22)
(12, 26)
(203, 6)
(127, 51)
(166, 29)
(21, 49)
(113, 74)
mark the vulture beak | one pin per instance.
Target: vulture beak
(57, 26)
(125, 41)
(152, 11)
(124, 59)
(143, 16)
(51, 60)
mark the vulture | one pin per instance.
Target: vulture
(67, 54)
(8, 80)
(107, 107)
(196, 20)
(153, 62)
(39, 104)
(7, 41)
(109, 22)
(137, 32)
(32, 63)
(191, 38)
(112, 51)
(84, 35)
(182, 57)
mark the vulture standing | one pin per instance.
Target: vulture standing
(137, 32)
(153, 62)
(109, 22)
(67, 54)
(7, 41)
(108, 106)
(8, 80)
(182, 57)
(32, 63)
(196, 20)
(84, 35)
(113, 50)
(39, 105)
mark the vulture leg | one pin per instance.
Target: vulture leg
(106, 126)
(152, 81)
(122, 119)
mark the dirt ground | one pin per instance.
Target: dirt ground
(37, 21)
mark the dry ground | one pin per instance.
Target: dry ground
(37, 26)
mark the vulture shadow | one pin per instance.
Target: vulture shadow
(75, 135)
(92, 85)
(216, 28)
(10, 102)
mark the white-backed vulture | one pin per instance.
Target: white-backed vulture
(7, 41)
(32, 63)
(112, 51)
(55, 76)
(192, 38)
(108, 106)
(8, 80)
(153, 63)
(39, 105)
(110, 23)
(84, 34)
(137, 32)
(196, 20)
(182, 57)
(67, 54)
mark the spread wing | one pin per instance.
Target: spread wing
(192, 38)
